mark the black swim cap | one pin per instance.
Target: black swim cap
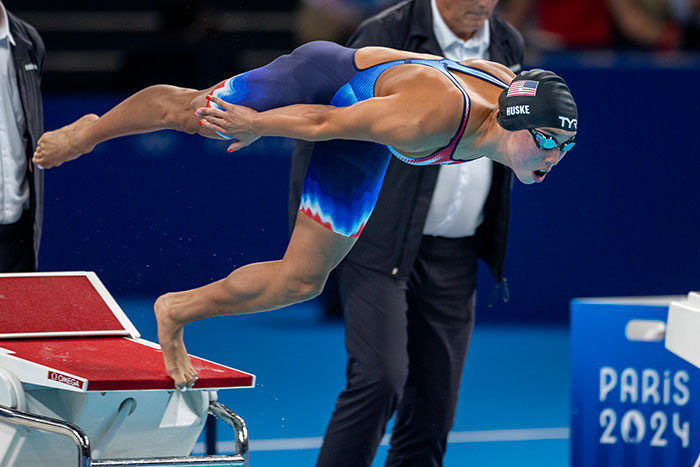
(536, 99)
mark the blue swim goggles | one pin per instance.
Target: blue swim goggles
(545, 142)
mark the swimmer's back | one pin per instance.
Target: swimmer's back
(367, 57)
(496, 69)
(483, 94)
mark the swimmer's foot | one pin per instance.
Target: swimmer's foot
(170, 336)
(65, 144)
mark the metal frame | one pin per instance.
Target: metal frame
(72, 431)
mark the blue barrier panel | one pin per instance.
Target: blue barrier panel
(634, 403)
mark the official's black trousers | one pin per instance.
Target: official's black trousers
(406, 342)
(17, 245)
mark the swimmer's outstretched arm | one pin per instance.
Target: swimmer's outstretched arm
(393, 120)
(155, 108)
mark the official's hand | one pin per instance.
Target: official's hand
(231, 120)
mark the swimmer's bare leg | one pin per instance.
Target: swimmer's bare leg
(155, 108)
(65, 143)
(312, 253)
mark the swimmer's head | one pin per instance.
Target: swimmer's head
(537, 99)
(540, 111)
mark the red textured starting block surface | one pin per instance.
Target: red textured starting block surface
(78, 304)
(114, 364)
(64, 330)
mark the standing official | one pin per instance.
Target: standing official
(407, 286)
(21, 124)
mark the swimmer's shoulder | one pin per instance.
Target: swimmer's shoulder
(496, 69)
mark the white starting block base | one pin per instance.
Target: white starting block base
(124, 424)
(682, 331)
(69, 354)
(683, 328)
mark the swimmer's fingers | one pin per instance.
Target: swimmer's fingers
(238, 116)
(213, 122)
(224, 126)
(219, 102)
(239, 145)
(236, 119)
(216, 124)
(207, 111)
(219, 111)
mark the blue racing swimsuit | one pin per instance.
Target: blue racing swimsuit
(344, 177)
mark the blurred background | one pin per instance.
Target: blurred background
(168, 211)
(124, 45)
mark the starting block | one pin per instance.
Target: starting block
(682, 328)
(72, 364)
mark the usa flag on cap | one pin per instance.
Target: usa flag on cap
(523, 88)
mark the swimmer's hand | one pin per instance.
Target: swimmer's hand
(233, 120)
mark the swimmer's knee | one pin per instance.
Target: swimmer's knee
(177, 109)
(197, 99)
(163, 307)
(164, 301)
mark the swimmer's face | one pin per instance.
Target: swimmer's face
(464, 17)
(532, 164)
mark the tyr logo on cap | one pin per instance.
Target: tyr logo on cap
(571, 122)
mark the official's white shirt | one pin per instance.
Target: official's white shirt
(14, 186)
(457, 205)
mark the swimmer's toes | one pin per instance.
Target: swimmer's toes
(183, 382)
(178, 378)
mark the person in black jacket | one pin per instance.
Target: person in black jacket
(21, 119)
(408, 285)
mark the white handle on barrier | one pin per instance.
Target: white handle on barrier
(645, 330)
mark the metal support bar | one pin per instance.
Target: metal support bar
(240, 459)
(52, 425)
(237, 423)
(228, 461)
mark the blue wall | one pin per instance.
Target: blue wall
(619, 216)
(164, 211)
